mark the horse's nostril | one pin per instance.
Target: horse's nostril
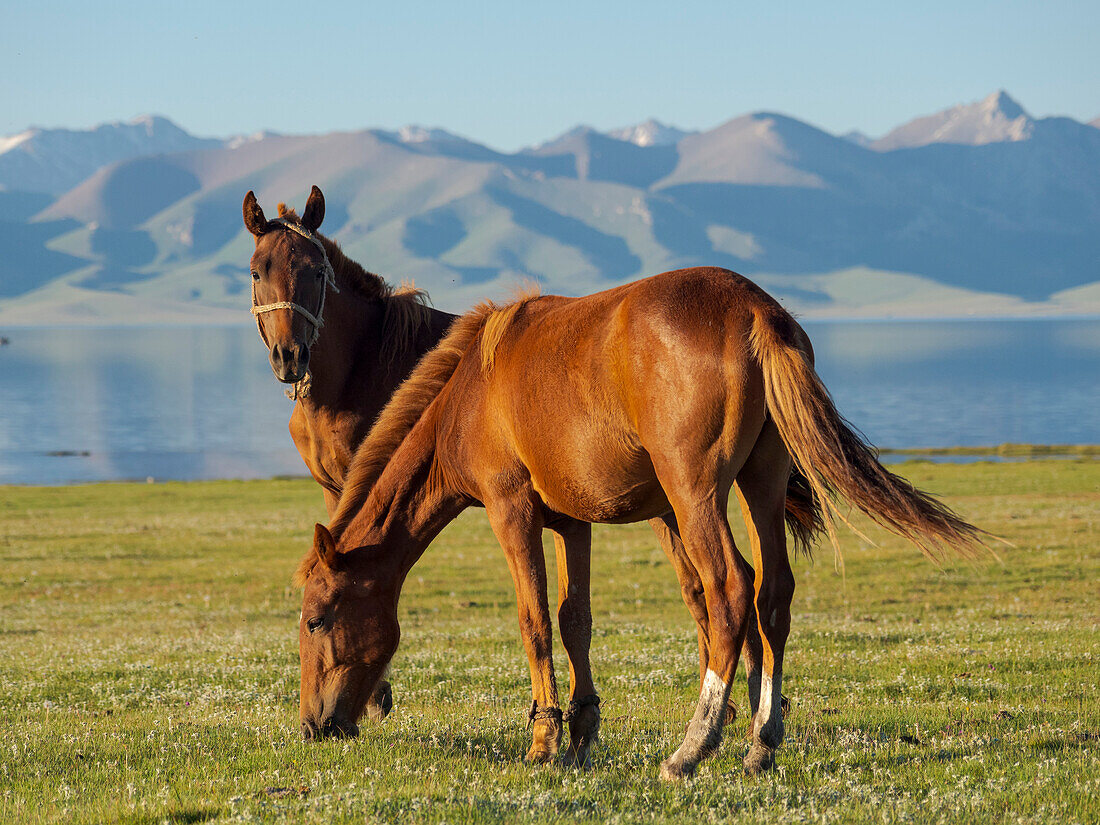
(292, 355)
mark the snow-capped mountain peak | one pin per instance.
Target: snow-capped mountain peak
(858, 138)
(10, 142)
(422, 134)
(1000, 104)
(237, 141)
(650, 133)
(996, 119)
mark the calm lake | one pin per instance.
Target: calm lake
(193, 403)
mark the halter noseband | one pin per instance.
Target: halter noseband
(316, 321)
(300, 389)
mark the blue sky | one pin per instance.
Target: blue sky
(511, 74)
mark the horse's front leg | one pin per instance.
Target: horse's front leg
(517, 523)
(573, 543)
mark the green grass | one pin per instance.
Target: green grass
(149, 671)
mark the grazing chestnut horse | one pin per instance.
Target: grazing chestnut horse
(651, 400)
(346, 340)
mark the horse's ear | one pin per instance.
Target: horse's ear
(314, 212)
(254, 219)
(325, 546)
(322, 552)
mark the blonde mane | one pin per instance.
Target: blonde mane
(414, 396)
(498, 322)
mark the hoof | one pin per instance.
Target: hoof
(579, 755)
(381, 702)
(546, 725)
(759, 759)
(676, 771)
(538, 756)
(576, 759)
(584, 733)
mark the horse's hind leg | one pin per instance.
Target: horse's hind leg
(727, 593)
(762, 488)
(691, 586)
(573, 543)
(691, 589)
(518, 528)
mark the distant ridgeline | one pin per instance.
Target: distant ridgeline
(977, 210)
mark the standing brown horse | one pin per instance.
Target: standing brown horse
(651, 400)
(372, 337)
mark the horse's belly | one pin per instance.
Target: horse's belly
(609, 495)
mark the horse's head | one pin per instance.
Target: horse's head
(290, 273)
(347, 634)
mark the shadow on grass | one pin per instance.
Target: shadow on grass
(492, 746)
(185, 816)
(1080, 741)
(941, 755)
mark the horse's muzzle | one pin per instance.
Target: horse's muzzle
(330, 728)
(289, 363)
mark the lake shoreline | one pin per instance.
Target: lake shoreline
(891, 456)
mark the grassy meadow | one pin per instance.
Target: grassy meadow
(149, 670)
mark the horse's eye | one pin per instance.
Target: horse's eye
(315, 623)
(320, 274)
(255, 275)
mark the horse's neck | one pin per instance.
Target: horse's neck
(352, 344)
(409, 504)
(351, 321)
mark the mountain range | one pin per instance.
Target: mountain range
(979, 209)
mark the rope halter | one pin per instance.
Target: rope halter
(316, 321)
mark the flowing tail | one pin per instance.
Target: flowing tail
(832, 460)
(802, 514)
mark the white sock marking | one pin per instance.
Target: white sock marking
(712, 699)
(765, 710)
(769, 718)
(705, 729)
